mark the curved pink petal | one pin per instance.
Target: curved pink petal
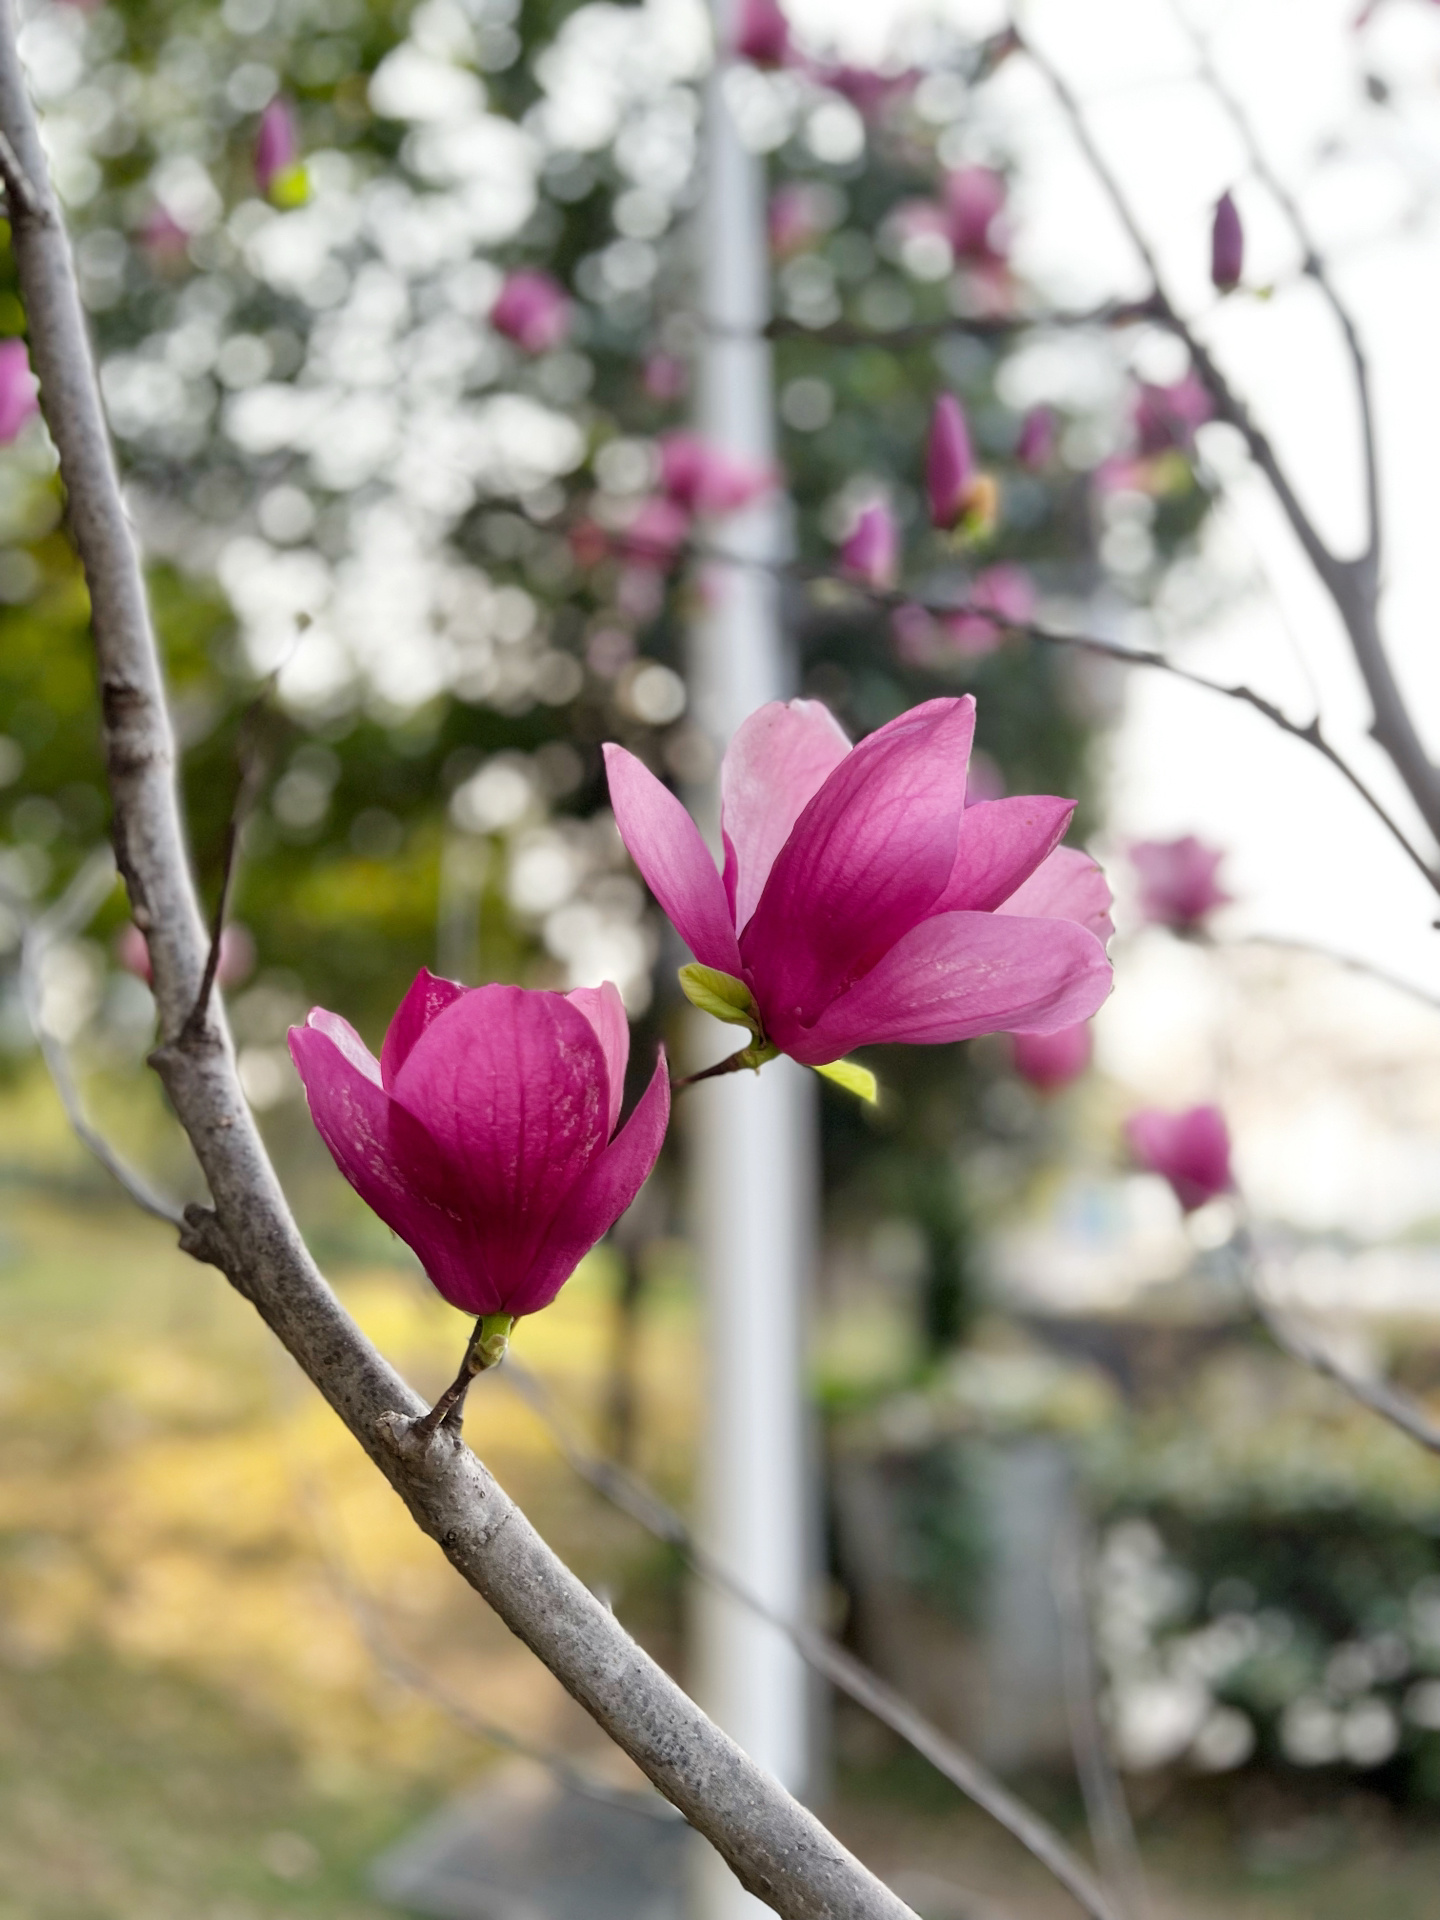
(342, 1035)
(605, 1010)
(665, 844)
(600, 1196)
(1067, 886)
(498, 1110)
(428, 995)
(868, 857)
(778, 760)
(957, 975)
(1001, 844)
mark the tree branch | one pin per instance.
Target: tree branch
(1353, 584)
(777, 1849)
(826, 1656)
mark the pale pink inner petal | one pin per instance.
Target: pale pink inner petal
(605, 1010)
(778, 760)
(665, 844)
(343, 1036)
(1066, 886)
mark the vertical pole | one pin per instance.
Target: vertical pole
(753, 1136)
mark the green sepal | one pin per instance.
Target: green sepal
(720, 994)
(854, 1079)
(756, 1056)
(492, 1340)
(290, 188)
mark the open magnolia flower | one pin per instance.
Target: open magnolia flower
(485, 1134)
(862, 900)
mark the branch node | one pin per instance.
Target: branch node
(203, 1238)
(22, 199)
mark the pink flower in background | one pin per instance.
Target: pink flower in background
(1191, 1150)
(762, 35)
(654, 533)
(1049, 1061)
(533, 310)
(19, 393)
(237, 953)
(277, 145)
(485, 1134)
(1039, 432)
(799, 214)
(862, 901)
(1165, 418)
(1227, 246)
(871, 553)
(1178, 887)
(1004, 590)
(950, 471)
(703, 478)
(867, 89)
(974, 200)
(163, 238)
(665, 376)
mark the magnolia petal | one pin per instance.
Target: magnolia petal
(665, 844)
(778, 760)
(1001, 844)
(600, 1196)
(1067, 886)
(959, 974)
(509, 1091)
(342, 1035)
(868, 858)
(428, 995)
(605, 1010)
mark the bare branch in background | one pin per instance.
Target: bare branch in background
(777, 1849)
(826, 1656)
(1353, 583)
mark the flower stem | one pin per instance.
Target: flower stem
(754, 1057)
(488, 1345)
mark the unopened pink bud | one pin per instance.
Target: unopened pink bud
(1166, 417)
(1191, 1150)
(19, 402)
(1039, 431)
(703, 478)
(871, 554)
(1178, 887)
(1002, 597)
(949, 464)
(763, 34)
(533, 310)
(277, 145)
(974, 198)
(1049, 1061)
(1227, 246)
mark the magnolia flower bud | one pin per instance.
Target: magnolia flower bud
(763, 34)
(1191, 1150)
(533, 310)
(949, 464)
(1035, 447)
(278, 172)
(871, 553)
(18, 394)
(1227, 246)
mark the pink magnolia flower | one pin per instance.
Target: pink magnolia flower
(1227, 246)
(862, 901)
(871, 553)
(665, 376)
(954, 486)
(1039, 431)
(762, 34)
(1191, 1150)
(1165, 418)
(19, 401)
(163, 238)
(533, 310)
(654, 533)
(485, 1134)
(1177, 881)
(277, 145)
(867, 89)
(799, 214)
(1050, 1061)
(1004, 590)
(974, 200)
(703, 478)
(236, 962)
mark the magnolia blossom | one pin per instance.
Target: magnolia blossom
(1191, 1150)
(762, 34)
(1165, 418)
(654, 533)
(1039, 430)
(1000, 596)
(277, 145)
(871, 553)
(1050, 1061)
(862, 901)
(1227, 246)
(235, 964)
(665, 376)
(1178, 887)
(703, 478)
(485, 1134)
(533, 310)
(974, 199)
(954, 486)
(799, 214)
(19, 402)
(867, 89)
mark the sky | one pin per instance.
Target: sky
(1326, 1076)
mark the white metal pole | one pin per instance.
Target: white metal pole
(753, 1136)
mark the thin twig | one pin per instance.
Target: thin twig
(251, 762)
(631, 1496)
(22, 201)
(1352, 963)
